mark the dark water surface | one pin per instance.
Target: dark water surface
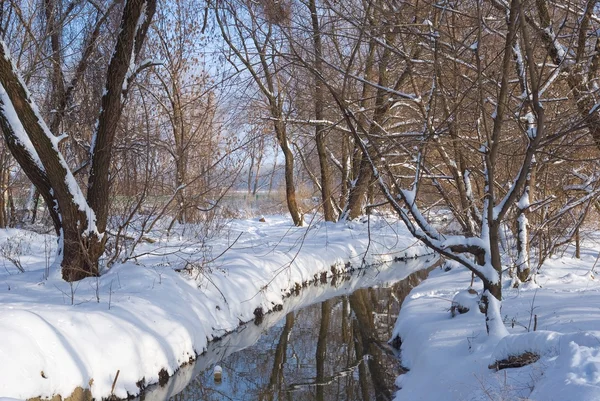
(328, 343)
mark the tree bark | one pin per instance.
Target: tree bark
(36, 149)
(358, 193)
(46, 168)
(129, 42)
(290, 189)
(320, 135)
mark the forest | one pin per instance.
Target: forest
(171, 136)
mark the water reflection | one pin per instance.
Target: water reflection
(333, 350)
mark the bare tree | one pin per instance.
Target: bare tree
(186, 97)
(402, 161)
(320, 133)
(250, 32)
(80, 222)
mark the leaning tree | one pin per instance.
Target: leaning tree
(79, 220)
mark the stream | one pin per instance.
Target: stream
(329, 342)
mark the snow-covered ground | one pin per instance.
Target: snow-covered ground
(248, 335)
(142, 319)
(449, 357)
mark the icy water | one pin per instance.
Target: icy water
(328, 343)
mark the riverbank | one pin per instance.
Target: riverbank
(141, 320)
(554, 323)
(333, 334)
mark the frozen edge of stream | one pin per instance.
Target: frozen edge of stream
(149, 321)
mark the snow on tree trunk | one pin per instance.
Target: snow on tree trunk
(493, 318)
(36, 149)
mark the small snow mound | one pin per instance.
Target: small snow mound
(529, 285)
(464, 301)
(544, 343)
(572, 278)
(571, 362)
(584, 364)
(450, 264)
(574, 374)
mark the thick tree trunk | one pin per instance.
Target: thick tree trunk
(492, 291)
(36, 149)
(80, 253)
(129, 42)
(358, 193)
(320, 136)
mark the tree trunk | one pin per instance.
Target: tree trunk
(36, 149)
(181, 159)
(290, 190)
(577, 244)
(358, 193)
(129, 42)
(3, 190)
(326, 192)
(492, 291)
(258, 166)
(346, 171)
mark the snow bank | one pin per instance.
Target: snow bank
(571, 362)
(457, 351)
(543, 343)
(143, 319)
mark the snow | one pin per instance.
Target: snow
(561, 52)
(17, 127)
(131, 67)
(468, 187)
(523, 255)
(142, 316)
(455, 240)
(523, 203)
(458, 352)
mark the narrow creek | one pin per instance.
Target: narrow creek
(329, 342)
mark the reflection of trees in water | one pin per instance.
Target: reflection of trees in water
(336, 350)
(321, 354)
(276, 381)
(382, 370)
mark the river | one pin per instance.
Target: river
(328, 342)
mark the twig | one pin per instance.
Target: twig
(112, 389)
